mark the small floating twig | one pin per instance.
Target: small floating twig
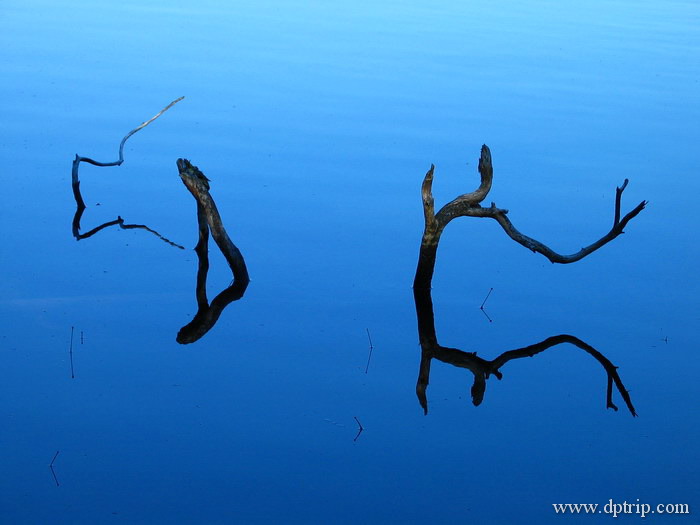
(483, 303)
(80, 203)
(370, 354)
(486, 298)
(360, 430)
(51, 468)
(70, 352)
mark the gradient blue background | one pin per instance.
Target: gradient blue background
(316, 122)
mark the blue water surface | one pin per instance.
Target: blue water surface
(316, 122)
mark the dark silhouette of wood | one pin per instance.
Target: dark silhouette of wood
(208, 219)
(482, 369)
(80, 203)
(468, 205)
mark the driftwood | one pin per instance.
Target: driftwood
(468, 205)
(208, 218)
(482, 369)
(80, 203)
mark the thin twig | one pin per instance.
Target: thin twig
(618, 198)
(486, 299)
(70, 352)
(119, 162)
(360, 430)
(370, 350)
(51, 468)
(76, 181)
(482, 306)
(143, 125)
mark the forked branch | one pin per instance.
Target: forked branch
(80, 203)
(468, 205)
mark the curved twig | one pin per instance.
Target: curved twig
(208, 218)
(80, 203)
(78, 159)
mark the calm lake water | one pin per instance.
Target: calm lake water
(316, 122)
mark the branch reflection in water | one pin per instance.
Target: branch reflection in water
(483, 368)
(80, 203)
(208, 219)
(469, 205)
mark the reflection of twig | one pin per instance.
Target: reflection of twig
(361, 428)
(117, 222)
(76, 184)
(70, 352)
(370, 350)
(51, 467)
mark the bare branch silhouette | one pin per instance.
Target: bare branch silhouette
(468, 205)
(80, 203)
(208, 218)
(482, 369)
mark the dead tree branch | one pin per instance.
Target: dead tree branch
(468, 205)
(75, 182)
(208, 218)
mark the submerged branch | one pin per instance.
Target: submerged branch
(208, 218)
(80, 203)
(468, 205)
(78, 159)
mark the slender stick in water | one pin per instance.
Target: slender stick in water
(361, 428)
(370, 353)
(51, 467)
(70, 352)
(486, 299)
(483, 303)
